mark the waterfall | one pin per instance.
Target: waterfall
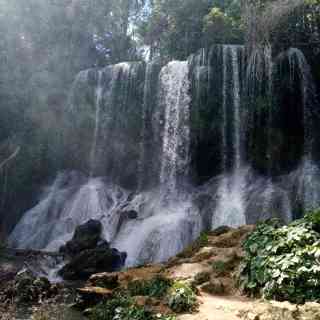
(308, 180)
(237, 115)
(299, 65)
(160, 116)
(173, 143)
(174, 87)
(231, 208)
(99, 94)
(224, 123)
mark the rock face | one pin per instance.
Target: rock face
(89, 253)
(125, 216)
(85, 237)
(88, 262)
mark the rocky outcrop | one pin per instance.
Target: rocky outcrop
(88, 262)
(86, 236)
(88, 253)
(125, 216)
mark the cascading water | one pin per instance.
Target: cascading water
(299, 66)
(231, 208)
(99, 94)
(177, 132)
(309, 174)
(164, 232)
(174, 87)
(113, 90)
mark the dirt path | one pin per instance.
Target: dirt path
(219, 308)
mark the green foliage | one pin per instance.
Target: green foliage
(220, 27)
(156, 287)
(283, 263)
(314, 219)
(123, 308)
(108, 310)
(178, 28)
(181, 298)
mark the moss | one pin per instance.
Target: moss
(201, 242)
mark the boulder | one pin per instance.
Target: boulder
(125, 216)
(91, 296)
(105, 280)
(86, 236)
(91, 261)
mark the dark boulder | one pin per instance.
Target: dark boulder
(125, 216)
(88, 253)
(91, 261)
(86, 236)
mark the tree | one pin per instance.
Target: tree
(178, 28)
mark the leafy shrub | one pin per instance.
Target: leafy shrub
(124, 308)
(201, 242)
(107, 310)
(314, 219)
(156, 287)
(283, 263)
(181, 298)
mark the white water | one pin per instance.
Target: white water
(175, 85)
(299, 65)
(160, 236)
(162, 229)
(237, 101)
(231, 207)
(52, 222)
(308, 183)
(99, 95)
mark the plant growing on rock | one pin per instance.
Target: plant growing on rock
(124, 308)
(283, 263)
(181, 298)
(155, 287)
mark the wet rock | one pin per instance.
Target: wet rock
(86, 236)
(126, 215)
(204, 203)
(89, 262)
(105, 280)
(7, 274)
(220, 230)
(91, 296)
(89, 253)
